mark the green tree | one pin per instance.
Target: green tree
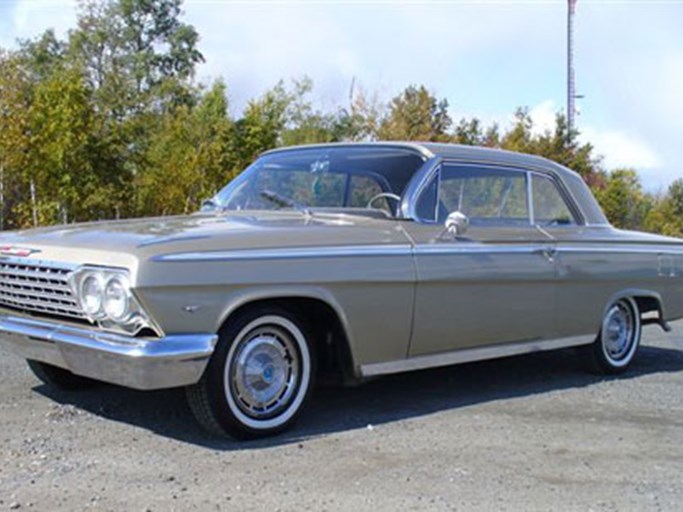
(416, 114)
(666, 216)
(130, 48)
(471, 132)
(622, 199)
(188, 158)
(60, 126)
(15, 144)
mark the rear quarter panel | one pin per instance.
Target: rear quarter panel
(595, 266)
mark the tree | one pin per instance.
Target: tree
(60, 126)
(129, 48)
(666, 216)
(471, 132)
(622, 199)
(15, 100)
(416, 114)
(188, 158)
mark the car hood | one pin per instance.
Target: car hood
(125, 242)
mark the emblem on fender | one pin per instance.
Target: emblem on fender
(22, 252)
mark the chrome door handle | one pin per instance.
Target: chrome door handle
(547, 252)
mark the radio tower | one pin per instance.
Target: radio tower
(571, 86)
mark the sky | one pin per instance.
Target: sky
(486, 57)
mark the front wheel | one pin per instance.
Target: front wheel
(619, 338)
(259, 377)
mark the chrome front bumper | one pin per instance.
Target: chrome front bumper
(140, 363)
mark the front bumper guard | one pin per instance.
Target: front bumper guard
(139, 363)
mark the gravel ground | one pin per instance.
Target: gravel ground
(526, 433)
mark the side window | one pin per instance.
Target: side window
(488, 196)
(364, 188)
(550, 207)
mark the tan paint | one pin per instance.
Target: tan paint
(494, 286)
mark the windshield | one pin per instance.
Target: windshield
(333, 177)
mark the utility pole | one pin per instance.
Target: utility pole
(571, 86)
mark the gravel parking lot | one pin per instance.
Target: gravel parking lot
(527, 433)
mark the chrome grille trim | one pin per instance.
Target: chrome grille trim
(37, 286)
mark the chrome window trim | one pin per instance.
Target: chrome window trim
(416, 148)
(529, 199)
(421, 179)
(415, 188)
(437, 177)
(417, 191)
(579, 220)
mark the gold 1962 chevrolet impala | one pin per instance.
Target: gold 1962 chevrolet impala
(347, 261)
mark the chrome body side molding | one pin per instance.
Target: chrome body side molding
(471, 355)
(345, 251)
(349, 251)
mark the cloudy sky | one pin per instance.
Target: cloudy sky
(486, 57)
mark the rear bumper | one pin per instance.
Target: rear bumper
(140, 363)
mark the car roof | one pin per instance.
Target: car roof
(577, 187)
(452, 152)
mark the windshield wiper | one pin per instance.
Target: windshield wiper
(284, 202)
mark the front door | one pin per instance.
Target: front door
(496, 282)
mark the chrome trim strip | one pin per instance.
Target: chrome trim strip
(471, 355)
(392, 250)
(288, 254)
(29, 261)
(529, 201)
(141, 363)
(409, 146)
(621, 250)
(465, 248)
(173, 239)
(415, 187)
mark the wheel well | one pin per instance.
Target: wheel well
(333, 354)
(651, 310)
(647, 304)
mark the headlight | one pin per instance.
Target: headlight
(116, 298)
(106, 298)
(91, 294)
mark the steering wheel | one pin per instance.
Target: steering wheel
(387, 195)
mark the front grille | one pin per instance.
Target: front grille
(38, 287)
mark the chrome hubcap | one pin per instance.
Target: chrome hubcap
(618, 330)
(265, 372)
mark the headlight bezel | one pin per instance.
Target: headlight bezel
(83, 294)
(134, 318)
(126, 311)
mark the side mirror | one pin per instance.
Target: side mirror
(209, 205)
(456, 223)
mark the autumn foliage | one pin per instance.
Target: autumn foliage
(110, 123)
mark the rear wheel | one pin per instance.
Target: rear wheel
(619, 338)
(259, 377)
(59, 378)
